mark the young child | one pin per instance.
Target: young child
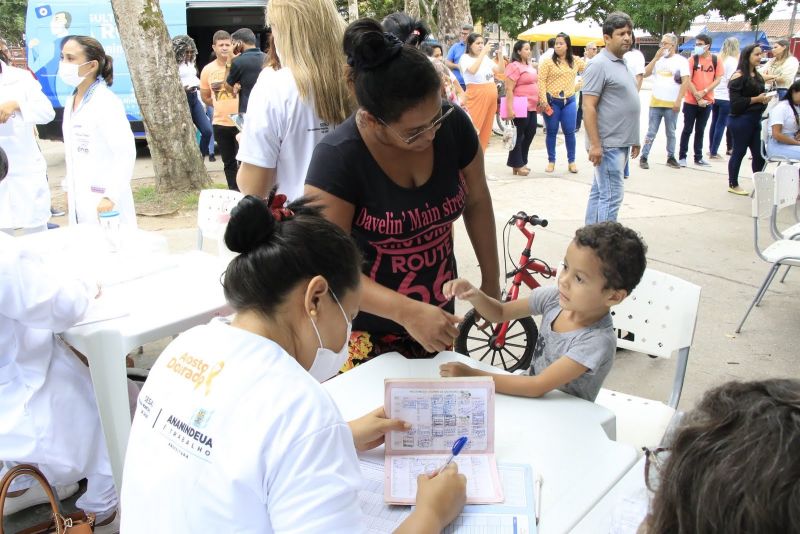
(577, 340)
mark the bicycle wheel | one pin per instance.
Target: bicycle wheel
(498, 127)
(515, 353)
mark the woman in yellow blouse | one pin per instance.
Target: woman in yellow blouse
(557, 85)
(782, 68)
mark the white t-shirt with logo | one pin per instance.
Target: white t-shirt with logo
(281, 130)
(782, 114)
(665, 89)
(484, 74)
(231, 434)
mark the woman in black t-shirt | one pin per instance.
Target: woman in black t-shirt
(396, 175)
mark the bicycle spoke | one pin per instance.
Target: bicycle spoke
(512, 354)
(485, 353)
(515, 345)
(478, 347)
(515, 335)
(478, 338)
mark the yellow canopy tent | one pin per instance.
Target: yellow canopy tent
(579, 33)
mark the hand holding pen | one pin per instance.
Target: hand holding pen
(457, 446)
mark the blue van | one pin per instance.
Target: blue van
(49, 21)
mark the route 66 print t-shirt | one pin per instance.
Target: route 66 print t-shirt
(405, 235)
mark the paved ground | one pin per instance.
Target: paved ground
(694, 229)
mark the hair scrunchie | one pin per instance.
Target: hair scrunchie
(279, 209)
(378, 52)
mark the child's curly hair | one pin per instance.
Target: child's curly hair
(621, 251)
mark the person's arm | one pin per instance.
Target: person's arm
(788, 72)
(590, 122)
(234, 76)
(34, 107)
(544, 71)
(500, 66)
(676, 106)
(648, 69)
(639, 79)
(560, 372)
(480, 225)
(779, 136)
(115, 132)
(488, 307)
(510, 84)
(476, 62)
(205, 88)
(440, 499)
(717, 79)
(431, 326)
(449, 60)
(740, 102)
(255, 180)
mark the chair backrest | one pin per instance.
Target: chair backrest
(786, 181)
(660, 313)
(763, 194)
(213, 212)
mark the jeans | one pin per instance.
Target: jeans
(228, 147)
(210, 115)
(526, 129)
(719, 120)
(564, 113)
(693, 117)
(746, 131)
(200, 120)
(608, 188)
(670, 121)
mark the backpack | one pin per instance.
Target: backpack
(696, 59)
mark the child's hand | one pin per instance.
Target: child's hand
(456, 369)
(459, 288)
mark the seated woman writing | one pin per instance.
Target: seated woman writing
(784, 126)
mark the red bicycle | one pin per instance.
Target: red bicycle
(511, 343)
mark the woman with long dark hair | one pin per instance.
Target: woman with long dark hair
(557, 87)
(748, 102)
(478, 71)
(396, 175)
(521, 82)
(784, 125)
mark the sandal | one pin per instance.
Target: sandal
(573, 168)
(522, 171)
(551, 166)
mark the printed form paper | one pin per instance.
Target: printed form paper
(516, 515)
(441, 411)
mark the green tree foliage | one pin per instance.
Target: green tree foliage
(516, 16)
(12, 20)
(659, 17)
(376, 9)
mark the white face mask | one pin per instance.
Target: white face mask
(327, 363)
(68, 72)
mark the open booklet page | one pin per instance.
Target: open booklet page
(441, 411)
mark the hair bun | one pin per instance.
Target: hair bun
(251, 225)
(368, 47)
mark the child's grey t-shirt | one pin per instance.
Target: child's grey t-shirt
(593, 346)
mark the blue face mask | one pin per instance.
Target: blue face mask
(699, 50)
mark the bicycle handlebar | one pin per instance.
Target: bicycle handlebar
(533, 220)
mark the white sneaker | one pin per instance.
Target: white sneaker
(109, 528)
(36, 495)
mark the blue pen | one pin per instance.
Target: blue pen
(457, 446)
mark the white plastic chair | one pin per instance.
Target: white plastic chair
(786, 189)
(213, 211)
(781, 251)
(661, 313)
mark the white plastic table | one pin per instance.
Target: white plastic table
(630, 487)
(163, 295)
(560, 436)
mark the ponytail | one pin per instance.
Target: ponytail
(107, 70)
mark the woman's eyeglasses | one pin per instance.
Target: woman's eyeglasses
(654, 461)
(443, 114)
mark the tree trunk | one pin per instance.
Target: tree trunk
(452, 15)
(412, 8)
(175, 153)
(352, 10)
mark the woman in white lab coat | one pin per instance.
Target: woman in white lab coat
(98, 142)
(48, 413)
(233, 431)
(24, 194)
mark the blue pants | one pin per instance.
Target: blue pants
(776, 149)
(608, 187)
(210, 115)
(670, 121)
(694, 117)
(565, 114)
(526, 129)
(746, 131)
(200, 120)
(719, 120)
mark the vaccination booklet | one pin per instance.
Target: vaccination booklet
(515, 515)
(441, 411)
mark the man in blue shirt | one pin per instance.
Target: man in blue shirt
(455, 53)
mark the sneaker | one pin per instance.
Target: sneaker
(211, 157)
(728, 152)
(738, 191)
(36, 495)
(55, 212)
(702, 163)
(682, 162)
(643, 163)
(672, 162)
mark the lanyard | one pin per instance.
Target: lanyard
(88, 95)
